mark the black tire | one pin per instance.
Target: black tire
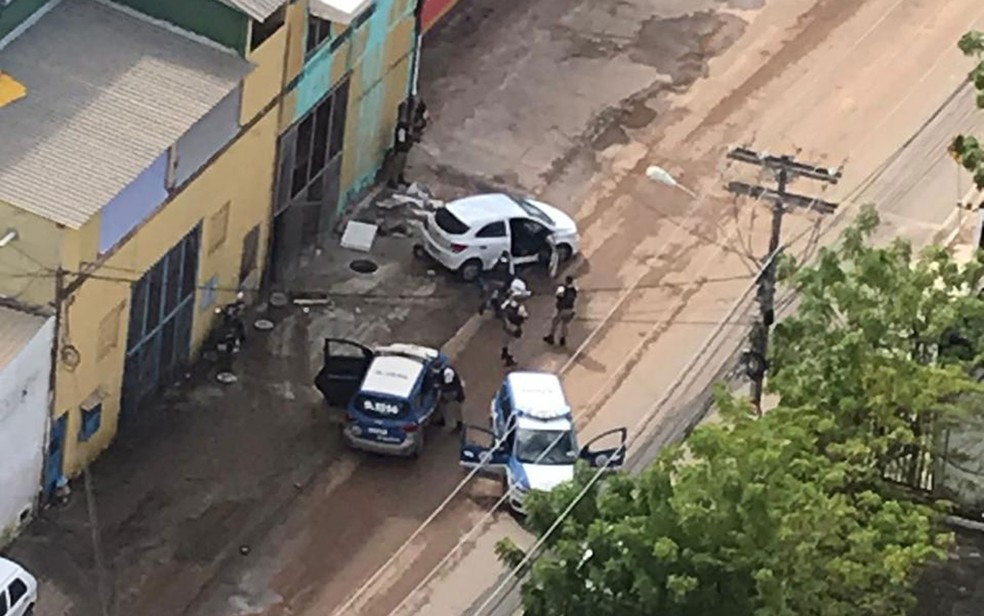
(564, 253)
(419, 447)
(470, 270)
(419, 252)
(29, 611)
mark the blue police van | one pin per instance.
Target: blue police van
(389, 393)
(532, 444)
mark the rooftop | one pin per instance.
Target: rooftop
(107, 94)
(257, 9)
(478, 209)
(16, 330)
(538, 394)
(392, 375)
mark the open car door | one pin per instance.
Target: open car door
(553, 261)
(609, 458)
(345, 365)
(479, 450)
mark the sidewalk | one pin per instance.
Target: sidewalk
(216, 465)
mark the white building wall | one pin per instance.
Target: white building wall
(24, 385)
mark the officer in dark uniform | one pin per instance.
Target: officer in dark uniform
(565, 297)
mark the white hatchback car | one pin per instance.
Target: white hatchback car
(469, 235)
(18, 589)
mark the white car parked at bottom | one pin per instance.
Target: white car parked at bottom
(469, 235)
(18, 589)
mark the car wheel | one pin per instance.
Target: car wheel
(419, 251)
(564, 253)
(29, 611)
(470, 270)
(418, 448)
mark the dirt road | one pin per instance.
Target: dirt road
(843, 82)
(573, 100)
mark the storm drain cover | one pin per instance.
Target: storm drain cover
(363, 266)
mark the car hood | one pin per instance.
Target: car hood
(562, 222)
(546, 477)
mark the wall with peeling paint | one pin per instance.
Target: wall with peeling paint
(377, 54)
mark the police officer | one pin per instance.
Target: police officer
(514, 314)
(452, 396)
(398, 155)
(420, 119)
(563, 311)
(495, 282)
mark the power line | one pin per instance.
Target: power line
(785, 169)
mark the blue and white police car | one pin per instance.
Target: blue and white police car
(389, 393)
(533, 443)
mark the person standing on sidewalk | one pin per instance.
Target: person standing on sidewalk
(566, 296)
(452, 396)
(514, 314)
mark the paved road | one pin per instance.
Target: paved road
(837, 78)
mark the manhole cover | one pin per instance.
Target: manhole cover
(363, 266)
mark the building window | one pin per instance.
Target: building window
(209, 292)
(109, 332)
(262, 30)
(218, 227)
(251, 246)
(318, 31)
(91, 419)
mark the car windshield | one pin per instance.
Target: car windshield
(449, 223)
(534, 212)
(545, 446)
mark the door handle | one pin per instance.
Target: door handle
(482, 247)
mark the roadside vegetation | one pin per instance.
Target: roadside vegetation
(821, 506)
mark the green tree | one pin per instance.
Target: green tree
(881, 344)
(749, 520)
(966, 149)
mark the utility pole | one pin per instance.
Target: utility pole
(786, 169)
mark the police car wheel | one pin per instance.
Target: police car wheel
(418, 447)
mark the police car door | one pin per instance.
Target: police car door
(345, 365)
(482, 450)
(608, 458)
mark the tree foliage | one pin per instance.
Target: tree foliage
(882, 343)
(752, 521)
(966, 149)
(789, 514)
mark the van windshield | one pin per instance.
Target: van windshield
(546, 446)
(449, 223)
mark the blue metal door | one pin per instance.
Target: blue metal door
(56, 453)
(161, 313)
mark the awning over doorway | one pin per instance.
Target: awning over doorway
(338, 11)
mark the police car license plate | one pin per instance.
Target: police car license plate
(378, 431)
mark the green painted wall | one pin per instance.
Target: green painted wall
(209, 18)
(16, 12)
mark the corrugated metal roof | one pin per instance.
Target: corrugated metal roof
(257, 9)
(16, 330)
(107, 93)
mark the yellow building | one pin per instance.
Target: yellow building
(158, 156)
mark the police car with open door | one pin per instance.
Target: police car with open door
(533, 444)
(389, 393)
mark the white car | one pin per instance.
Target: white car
(18, 589)
(469, 235)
